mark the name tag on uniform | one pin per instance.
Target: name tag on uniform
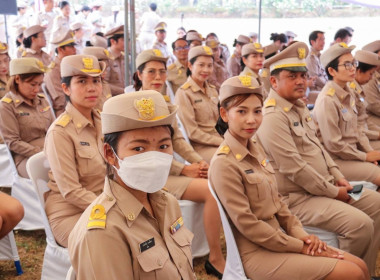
(85, 143)
(198, 100)
(249, 171)
(147, 245)
(116, 65)
(24, 114)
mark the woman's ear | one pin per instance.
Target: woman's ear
(65, 89)
(109, 155)
(332, 71)
(189, 65)
(17, 79)
(139, 75)
(223, 114)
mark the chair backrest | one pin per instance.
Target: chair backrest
(38, 168)
(169, 91)
(48, 98)
(234, 268)
(71, 274)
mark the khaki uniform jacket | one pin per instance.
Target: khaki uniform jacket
(336, 116)
(127, 242)
(43, 56)
(46, 19)
(198, 111)
(233, 64)
(219, 74)
(74, 148)
(115, 73)
(3, 88)
(106, 94)
(24, 124)
(176, 75)
(302, 165)
(315, 69)
(372, 91)
(246, 186)
(20, 51)
(163, 47)
(53, 84)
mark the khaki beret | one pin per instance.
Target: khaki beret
(239, 85)
(367, 57)
(98, 41)
(252, 48)
(34, 29)
(161, 26)
(199, 51)
(26, 65)
(63, 39)
(20, 31)
(194, 36)
(80, 64)
(335, 51)
(3, 48)
(141, 109)
(270, 49)
(212, 43)
(150, 55)
(244, 39)
(290, 34)
(76, 25)
(114, 31)
(293, 58)
(372, 47)
(99, 52)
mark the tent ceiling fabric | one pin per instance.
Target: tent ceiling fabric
(368, 3)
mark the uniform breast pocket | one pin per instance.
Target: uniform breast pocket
(346, 121)
(255, 187)
(84, 157)
(152, 260)
(183, 239)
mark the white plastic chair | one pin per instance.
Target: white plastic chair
(327, 236)
(8, 251)
(23, 191)
(6, 178)
(48, 98)
(56, 259)
(234, 267)
(192, 214)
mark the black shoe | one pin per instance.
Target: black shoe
(210, 269)
(375, 278)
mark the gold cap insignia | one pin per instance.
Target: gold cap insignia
(88, 63)
(246, 80)
(301, 53)
(145, 107)
(344, 45)
(157, 52)
(208, 50)
(3, 47)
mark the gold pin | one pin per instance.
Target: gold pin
(79, 125)
(238, 156)
(131, 216)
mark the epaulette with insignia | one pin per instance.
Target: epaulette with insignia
(352, 85)
(6, 100)
(23, 53)
(167, 98)
(331, 92)
(224, 150)
(51, 65)
(270, 103)
(185, 85)
(233, 55)
(264, 73)
(165, 189)
(97, 217)
(63, 120)
(171, 66)
(41, 95)
(212, 86)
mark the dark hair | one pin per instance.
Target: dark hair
(17, 41)
(364, 67)
(115, 37)
(28, 41)
(88, 44)
(63, 4)
(314, 35)
(334, 65)
(242, 64)
(181, 28)
(342, 33)
(211, 34)
(236, 42)
(173, 44)
(275, 37)
(137, 83)
(276, 72)
(12, 85)
(153, 6)
(85, 8)
(66, 81)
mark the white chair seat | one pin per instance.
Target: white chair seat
(6, 178)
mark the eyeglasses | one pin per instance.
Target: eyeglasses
(181, 48)
(153, 72)
(349, 65)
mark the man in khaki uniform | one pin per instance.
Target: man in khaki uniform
(177, 71)
(118, 227)
(335, 114)
(64, 46)
(34, 41)
(45, 18)
(220, 73)
(313, 61)
(310, 181)
(372, 90)
(159, 44)
(233, 62)
(115, 73)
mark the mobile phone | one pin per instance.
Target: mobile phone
(356, 189)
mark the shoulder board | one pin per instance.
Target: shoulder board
(97, 217)
(233, 55)
(23, 53)
(224, 150)
(41, 95)
(185, 85)
(171, 66)
(264, 74)
(6, 100)
(330, 92)
(167, 98)
(165, 189)
(270, 103)
(51, 65)
(212, 86)
(63, 120)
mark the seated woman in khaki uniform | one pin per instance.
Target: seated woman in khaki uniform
(74, 146)
(4, 69)
(336, 116)
(134, 229)
(25, 115)
(198, 103)
(271, 241)
(187, 182)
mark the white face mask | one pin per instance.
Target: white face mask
(147, 172)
